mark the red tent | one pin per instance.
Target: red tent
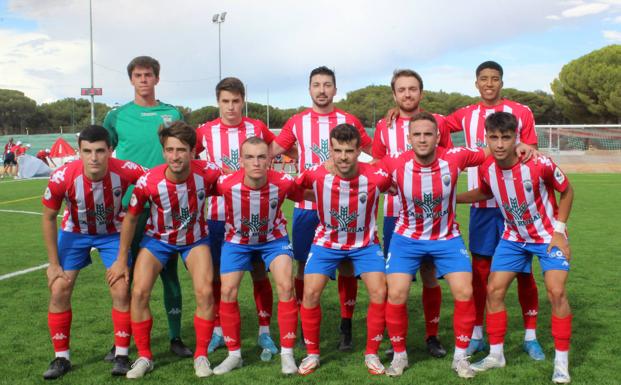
(61, 149)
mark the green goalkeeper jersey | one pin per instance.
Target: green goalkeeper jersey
(133, 132)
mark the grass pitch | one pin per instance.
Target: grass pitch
(25, 348)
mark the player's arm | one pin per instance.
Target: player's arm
(110, 125)
(119, 269)
(473, 196)
(559, 237)
(527, 151)
(391, 115)
(50, 231)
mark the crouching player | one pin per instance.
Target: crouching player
(534, 225)
(176, 191)
(256, 227)
(347, 207)
(93, 188)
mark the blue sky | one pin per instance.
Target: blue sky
(273, 44)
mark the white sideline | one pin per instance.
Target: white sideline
(25, 271)
(20, 212)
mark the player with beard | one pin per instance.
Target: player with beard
(311, 130)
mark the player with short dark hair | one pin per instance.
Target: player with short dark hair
(486, 221)
(219, 141)
(347, 203)
(310, 129)
(534, 225)
(133, 131)
(92, 188)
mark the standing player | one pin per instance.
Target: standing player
(9, 158)
(347, 208)
(486, 221)
(219, 141)
(392, 140)
(133, 130)
(534, 224)
(92, 188)
(256, 227)
(176, 191)
(311, 129)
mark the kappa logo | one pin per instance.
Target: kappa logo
(59, 176)
(59, 336)
(350, 302)
(211, 166)
(130, 165)
(463, 338)
(174, 311)
(232, 161)
(308, 342)
(396, 338)
(286, 177)
(381, 172)
(228, 339)
(378, 338)
(263, 314)
(322, 151)
(289, 336)
(142, 181)
(122, 334)
(531, 313)
(435, 320)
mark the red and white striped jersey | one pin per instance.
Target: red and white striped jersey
(428, 192)
(393, 141)
(347, 208)
(216, 142)
(92, 207)
(525, 193)
(471, 120)
(254, 215)
(311, 130)
(177, 209)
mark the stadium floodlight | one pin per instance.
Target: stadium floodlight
(218, 18)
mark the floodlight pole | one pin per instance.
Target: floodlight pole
(218, 18)
(90, 7)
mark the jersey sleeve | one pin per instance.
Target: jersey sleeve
(382, 178)
(379, 149)
(528, 134)
(365, 139)
(468, 157)
(134, 171)
(552, 174)
(444, 131)
(110, 125)
(453, 121)
(305, 180)
(212, 174)
(268, 135)
(286, 138)
(483, 185)
(199, 148)
(295, 192)
(55, 190)
(140, 196)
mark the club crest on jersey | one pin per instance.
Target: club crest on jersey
(428, 204)
(133, 201)
(344, 219)
(559, 176)
(168, 119)
(200, 194)
(185, 217)
(363, 197)
(322, 151)
(528, 185)
(254, 224)
(446, 179)
(117, 191)
(273, 203)
(48, 194)
(232, 161)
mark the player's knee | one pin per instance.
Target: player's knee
(397, 296)
(311, 297)
(204, 296)
(557, 295)
(495, 292)
(378, 295)
(285, 289)
(463, 293)
(60, 295)
(140, 296)
(228, 293)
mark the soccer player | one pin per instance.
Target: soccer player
(44, 156)
(534, 225)
(347, 205)
(219, 141)
(256, 227)
(133, 129)
(392, 139)
(486, 221)
(9, 158)
(176, 191)
(426, 177)
(92, 188)
(311, 129)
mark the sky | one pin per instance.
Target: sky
(272, 45)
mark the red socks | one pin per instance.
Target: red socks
(397, 325)
(231, 324)
(463, 322)
(216, 302)
(203, 329)
(348, 290)
(480, 274)
(263, 301)
(311, 322)
(376, 323)
(497, 327)
(122, 323)
(529, 299)
(142, 337)
(287, 322)
(299, 290)
(432, 301)
(561, 331)
(59, 325)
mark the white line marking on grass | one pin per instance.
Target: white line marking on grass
(21, 212)
(25, 271)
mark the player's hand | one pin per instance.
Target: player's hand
(526, 152)
(560, 241)
(391, 115)
(117, 271)
(54, 272)
(392, 190)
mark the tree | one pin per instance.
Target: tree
(588, 89)
(16, 110)
(541, 104)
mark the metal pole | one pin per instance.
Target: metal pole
(90, 6)
(219, 52)
(268, 108)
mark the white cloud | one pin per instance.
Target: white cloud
(614, 36)
(585, 9)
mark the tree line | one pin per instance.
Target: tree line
(587, 90)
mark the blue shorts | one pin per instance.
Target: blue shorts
(322, 260)
(216, 239)
(486, 228)
(164, 251)
(406, 254)
(74, 249)
(305, 223)
(518, 257)
(239, 257)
